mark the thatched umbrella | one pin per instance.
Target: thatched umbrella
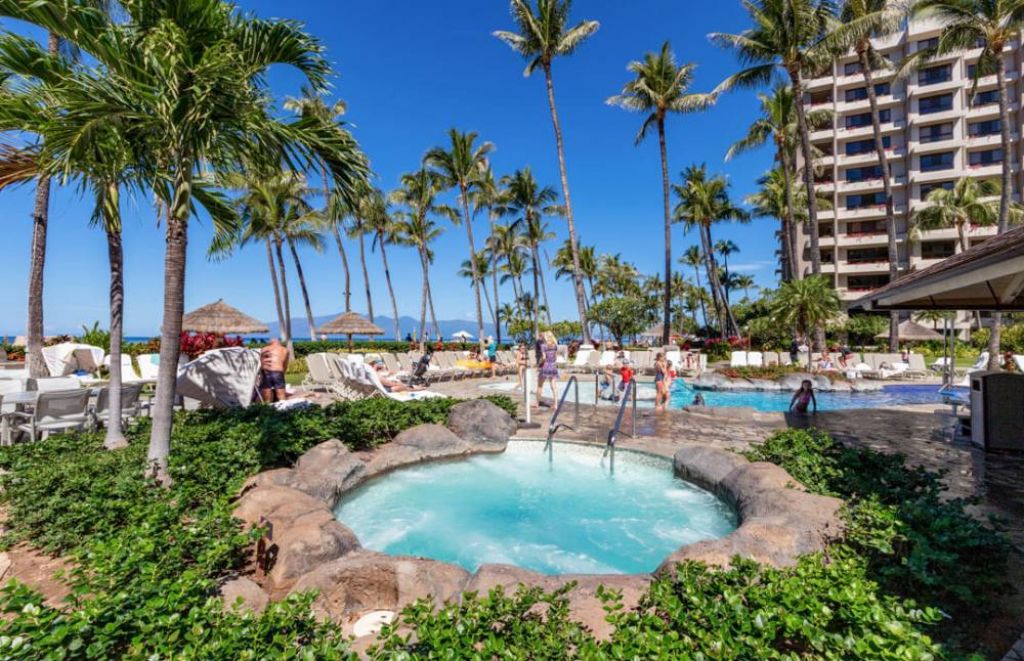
(222, 319)
(911, 331)
(350, 324)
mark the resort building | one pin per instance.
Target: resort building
(934, 133)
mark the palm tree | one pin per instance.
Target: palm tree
(543, 35)
(660, 88)
(968, 203)
(704, 201)
(860, 20)
(461, 167)
(745, 282)
(994, 24)
(514, 268)
(381, 224)
(778, 124)
(787, 35)
(312, 106)
(694, 258)
(527, 200)
(805, 305)
(138, 66)
(366, 205)
(479, 272)
(725, 247)
(487, 196)
(415, 226)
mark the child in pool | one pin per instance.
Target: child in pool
(803, 398)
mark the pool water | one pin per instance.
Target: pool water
(564, 513)
(682, 395)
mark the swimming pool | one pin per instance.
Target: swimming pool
(566, 512)
(767, 401)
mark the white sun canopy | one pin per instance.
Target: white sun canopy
(69, 357)
(221, 378)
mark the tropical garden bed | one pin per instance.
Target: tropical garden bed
(915, 576)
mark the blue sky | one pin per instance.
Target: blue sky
(409, 71)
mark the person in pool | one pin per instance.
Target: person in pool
(698, 400)
(803, 398)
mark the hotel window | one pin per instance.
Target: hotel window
(864, 173)
(866, 282)
(821, 98)
(864, 146)
(826, 228)
(935, 75)
(827, 257)
(861, 93)
(937, 249)
(851, 68)
(932, 104)
(936, 162)
(926, 189)
(972, 70)
(928, 43)
(865, 200)
(983, 158)
(866, 227)
(985, 98)
(867, 255)
(980, 129)
(936, 132)
(864, 119)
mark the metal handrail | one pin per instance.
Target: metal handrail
(554, 425)
(627, 395)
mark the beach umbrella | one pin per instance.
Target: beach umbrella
(350, 324)
(911, 331)
(463, 335)
(221, 319)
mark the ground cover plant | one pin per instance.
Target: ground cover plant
(147, 560)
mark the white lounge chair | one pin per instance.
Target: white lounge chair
(738, 359)
(54, 411)
(755, 359)
(366, 375)
(53, 383)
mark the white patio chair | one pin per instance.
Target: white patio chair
(738, 359)
(54, 383)
(100, 413)
(54, 411)
(755, 359)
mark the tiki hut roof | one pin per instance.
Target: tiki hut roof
(350, 323)
(222, 319)
(911, 331)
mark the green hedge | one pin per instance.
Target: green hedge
(148, 561)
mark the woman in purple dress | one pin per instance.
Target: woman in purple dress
(548, 367)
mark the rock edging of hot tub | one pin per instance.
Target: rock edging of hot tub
(297, 504)
(779, 521)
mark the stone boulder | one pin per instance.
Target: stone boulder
(416, 444)
(243, 594)
(705, 465)
(482, 423)
(792, 381)
(374, 581)
(765, 384)
(710, 381)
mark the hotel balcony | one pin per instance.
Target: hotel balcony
(869, 157)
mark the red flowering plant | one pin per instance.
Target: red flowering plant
(195, 344)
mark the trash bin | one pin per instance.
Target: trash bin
(997, 410)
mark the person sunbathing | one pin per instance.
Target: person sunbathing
(388, 380)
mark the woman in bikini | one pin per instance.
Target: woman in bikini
(548, 367)
(803, 398)
(660, 382)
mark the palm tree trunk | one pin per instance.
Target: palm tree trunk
(366, 274)
(577, 274)
(789, 221)
(337, 237)
(170, 330)
(995, 334)
(536, 294)
(290, 341)
(305, 292)
(805, 146)
(115, 435)
(391, 289)
(494, 281)
(490, 308)
(712, 272)
(282, 329)
(667, 309)
(464, 194)
(544, 288)
(423, 300)
(40, 222)
(890, 211)
(344, 265)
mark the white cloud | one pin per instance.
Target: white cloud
(751, 266)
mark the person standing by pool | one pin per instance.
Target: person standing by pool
(803, 398)
(794, 352)
(660, 382)
(492, 355)
(273, 363)
(549, 367)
